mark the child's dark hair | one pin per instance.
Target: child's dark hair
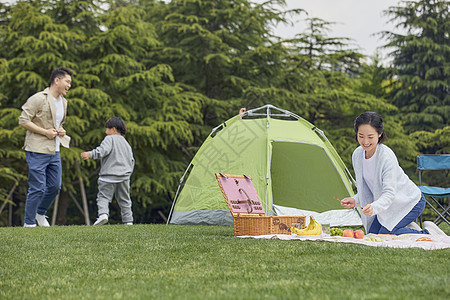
(373, 119)
(118, 123)
(60, 72)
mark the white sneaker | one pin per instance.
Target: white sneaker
(413, 225)
(42, 220)
(432, 228)
(102, 220)
(29, 225)
(128, 223)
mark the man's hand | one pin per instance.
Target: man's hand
(85, 155)
(61, 132)
(51, 133)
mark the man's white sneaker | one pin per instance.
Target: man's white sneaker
(413, 225)
(102, 219)
(42, 220)
(432, 228)
(29, 225)
(128, 223)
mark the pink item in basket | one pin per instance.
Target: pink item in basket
(241, 195)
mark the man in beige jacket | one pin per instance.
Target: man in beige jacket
(43, 115)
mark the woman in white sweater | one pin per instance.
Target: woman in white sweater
(390, 201)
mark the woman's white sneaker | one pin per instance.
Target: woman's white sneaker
(413, 225)
(432, 228)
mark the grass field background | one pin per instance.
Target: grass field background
(192, 262)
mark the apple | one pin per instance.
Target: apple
(358, 234)
(347, 233)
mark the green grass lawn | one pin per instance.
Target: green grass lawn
(207, 262)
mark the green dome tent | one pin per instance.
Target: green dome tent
(293, 166)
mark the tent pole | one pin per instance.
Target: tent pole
(268, 162)
(176, 194)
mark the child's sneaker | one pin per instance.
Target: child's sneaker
(42, 220)
(128, 223)
(29, 225)
(102, 219)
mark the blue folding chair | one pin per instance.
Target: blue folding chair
(433, 162)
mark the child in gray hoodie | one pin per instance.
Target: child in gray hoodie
(117, 164)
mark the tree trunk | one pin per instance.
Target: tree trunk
(63, 204)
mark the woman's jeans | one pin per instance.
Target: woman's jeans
(400, 228)
(44, 183)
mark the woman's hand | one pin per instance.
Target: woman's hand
(348, 202)
(368, 210)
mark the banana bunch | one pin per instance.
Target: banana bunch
(313, 228)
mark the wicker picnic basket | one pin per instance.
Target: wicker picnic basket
(249, 217)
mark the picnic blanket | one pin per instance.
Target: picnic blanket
(384, 240)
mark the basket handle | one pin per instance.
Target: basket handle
(248, 200)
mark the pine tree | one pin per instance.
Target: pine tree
(374, 78)
(421, 61)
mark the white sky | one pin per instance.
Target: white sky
(355, 19)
